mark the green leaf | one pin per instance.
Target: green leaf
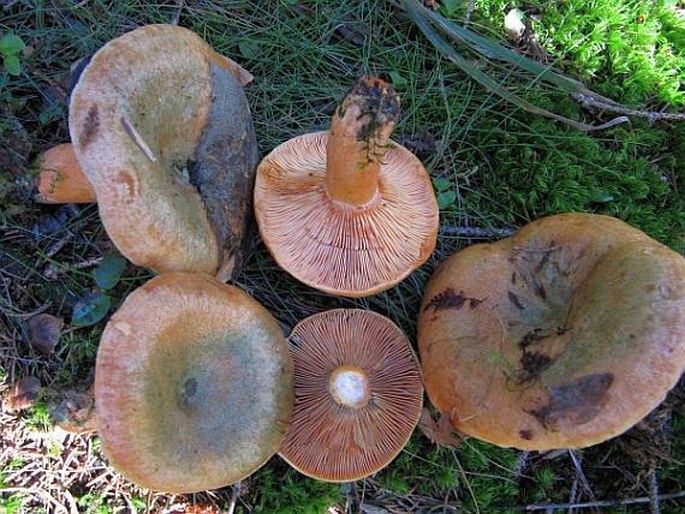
(446, 199)
(109, 271)
(90, 309)
(12, 64)
(442, 184)
(11, 44)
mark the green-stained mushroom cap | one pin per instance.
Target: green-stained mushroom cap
(193, 385)
(161, 128)
(563, 335)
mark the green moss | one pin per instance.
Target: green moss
(632, 52)
(282, 490)
(535, 167)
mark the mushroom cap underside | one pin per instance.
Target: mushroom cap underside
(162, 129)
(337, 248)
(333, 442)
(561, 336)
(193, 385)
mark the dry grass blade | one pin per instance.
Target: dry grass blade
(498, 53)
(577, 460)
(425, 19)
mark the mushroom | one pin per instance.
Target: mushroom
(60, 177)
(161, 128)
(193, 385)
(349, 211)
(358, 395)
(563, 335)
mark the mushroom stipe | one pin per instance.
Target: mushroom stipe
(348, 211)
(358, 395)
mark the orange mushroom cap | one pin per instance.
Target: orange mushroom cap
(312, 209)
(193, 385)
(358, 395)
(61, 179)
(162, 129)
(561, 336)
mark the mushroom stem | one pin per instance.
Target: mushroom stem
(61, 179)
(360, 135)
(349, 386)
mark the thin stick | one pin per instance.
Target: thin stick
(137, 139)
(234, 497)
(577, 458)
(651, 116)
(177, 13)
(573, 495)
(476, 232)
(53, 271)
(654, 493)
(59, 244)
(469, 14)
(600, 503)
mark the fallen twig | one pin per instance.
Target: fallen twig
(469, 14)
(59, 244)
(601, 503)
(654, 493)
(234, 497)
(577, 459)
(476, 232)
(53, 270)
(651, 116)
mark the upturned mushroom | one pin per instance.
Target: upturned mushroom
(349, 211)
(193, 385)
(358, 395)
(561, 336)
(162, 130)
